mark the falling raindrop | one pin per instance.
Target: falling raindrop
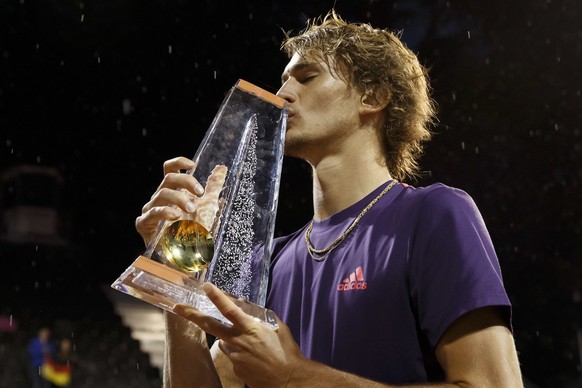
(468, 34)
(144, 132)
(82, 17)
(170, 49)
(126, 106)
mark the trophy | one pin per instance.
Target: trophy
(228, 240)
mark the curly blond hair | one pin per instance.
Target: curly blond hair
(379, 65)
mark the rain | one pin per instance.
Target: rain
(95, 96)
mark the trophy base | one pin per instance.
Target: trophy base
(165, 287)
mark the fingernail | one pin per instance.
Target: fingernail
(199, 188)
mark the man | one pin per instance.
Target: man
(39, 347)
(388, 284)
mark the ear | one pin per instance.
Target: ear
(369, 103)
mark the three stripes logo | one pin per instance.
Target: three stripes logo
(353, 282)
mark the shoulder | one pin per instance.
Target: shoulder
(436, 193)
(438, 199)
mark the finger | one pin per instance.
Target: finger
(179, 181)
(153, 216)
(241, 321)
(168, 197)
(208, 324)
(178, 164)
(147, 223)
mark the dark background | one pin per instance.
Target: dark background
(105, 91)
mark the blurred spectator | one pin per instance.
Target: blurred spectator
(40, 347)
(58, 369)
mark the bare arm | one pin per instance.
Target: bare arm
(187, 360)
(189, 363)
(476, 351)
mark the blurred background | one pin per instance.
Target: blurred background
(94, 96)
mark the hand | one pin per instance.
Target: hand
(261, 356)
(174, 195)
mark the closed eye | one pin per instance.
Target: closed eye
(307, 78)
(302, 72)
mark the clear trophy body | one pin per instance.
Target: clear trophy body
(228, 240)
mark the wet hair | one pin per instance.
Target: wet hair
(377, 64)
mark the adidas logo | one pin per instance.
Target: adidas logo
(353, 282)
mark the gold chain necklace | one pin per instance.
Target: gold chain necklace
(321, 254)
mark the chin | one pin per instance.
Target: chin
(293, 147)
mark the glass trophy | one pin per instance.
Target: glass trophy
(228, 240)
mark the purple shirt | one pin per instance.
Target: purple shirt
(378, 304)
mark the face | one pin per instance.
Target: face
(323, 109)
(44, 334)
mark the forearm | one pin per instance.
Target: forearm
(187, 361)
(307, 373)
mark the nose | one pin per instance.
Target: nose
(286, 93)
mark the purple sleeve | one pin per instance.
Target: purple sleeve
(454, 267)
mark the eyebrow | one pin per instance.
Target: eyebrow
(297, 68)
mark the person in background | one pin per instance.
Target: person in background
(60, 371)
(388, 284)
(39, 347)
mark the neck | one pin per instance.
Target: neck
(343, 179)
